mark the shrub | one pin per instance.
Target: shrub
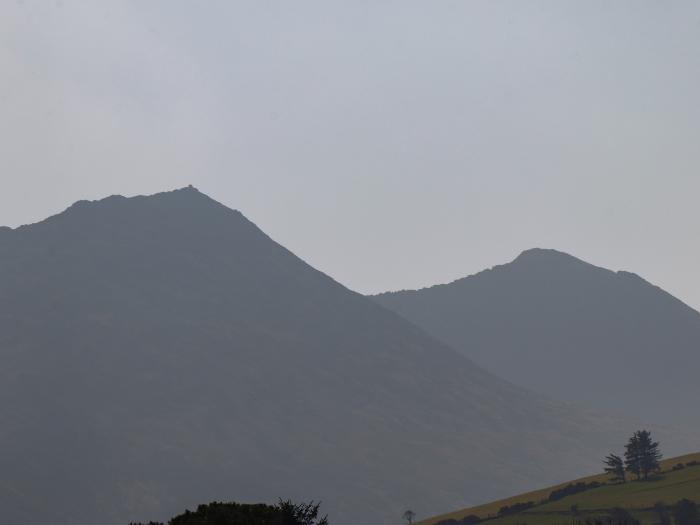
(467, 520)
(619, 516)
(515, 507)
(572, 488)
(662, 515)
(685, 512)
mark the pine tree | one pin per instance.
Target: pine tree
(650, 453)
(632, 456)
(642, 454)
(615, 466)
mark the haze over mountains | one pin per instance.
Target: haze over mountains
(162, 351)
(555, 324)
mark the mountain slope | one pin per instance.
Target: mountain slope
(162, 351)
(637, 498)
(553, 323)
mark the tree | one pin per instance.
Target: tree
(615, 466)
(650, 453)
(632, 456)
(642, 454)
(301, 513)
(284, 513)
(408, 516)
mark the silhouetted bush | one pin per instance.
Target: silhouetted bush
(467, 520)
(284, 513)
(619, 516)
(692, 464)
(679, 466)
(515, 507)
(662, 515)
(572, 488)
(685, 512)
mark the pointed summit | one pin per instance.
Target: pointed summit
(185, 207)
(572, 330)
(544, 255)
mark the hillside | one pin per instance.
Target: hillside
(563, 327)
(638, 498)
(159, 352)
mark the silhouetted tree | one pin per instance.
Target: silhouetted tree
(632, 458)
(284, 513)
(642, 454)
(409, 515)
(301, 513)
(615, 466)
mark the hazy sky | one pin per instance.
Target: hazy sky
(390, 144)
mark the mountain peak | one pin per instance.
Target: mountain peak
(188, 190)
(178, 193)
(544, 254)
(551, 322)
(548, 259)
(181, 200)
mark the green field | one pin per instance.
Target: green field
(636, 497)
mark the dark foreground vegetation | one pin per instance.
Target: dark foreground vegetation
(284, 513)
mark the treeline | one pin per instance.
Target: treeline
(284, 513)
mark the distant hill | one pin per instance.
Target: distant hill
(159, 352)
(566, 328)
(637, 498)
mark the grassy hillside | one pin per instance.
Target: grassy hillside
(636, 497)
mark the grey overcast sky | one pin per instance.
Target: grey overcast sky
(391, 144)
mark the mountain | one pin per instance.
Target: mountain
(158, 352)
(679, 479)
(558, 325)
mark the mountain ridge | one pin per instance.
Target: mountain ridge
(162, 351)
(546, 310)
(530, 253)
